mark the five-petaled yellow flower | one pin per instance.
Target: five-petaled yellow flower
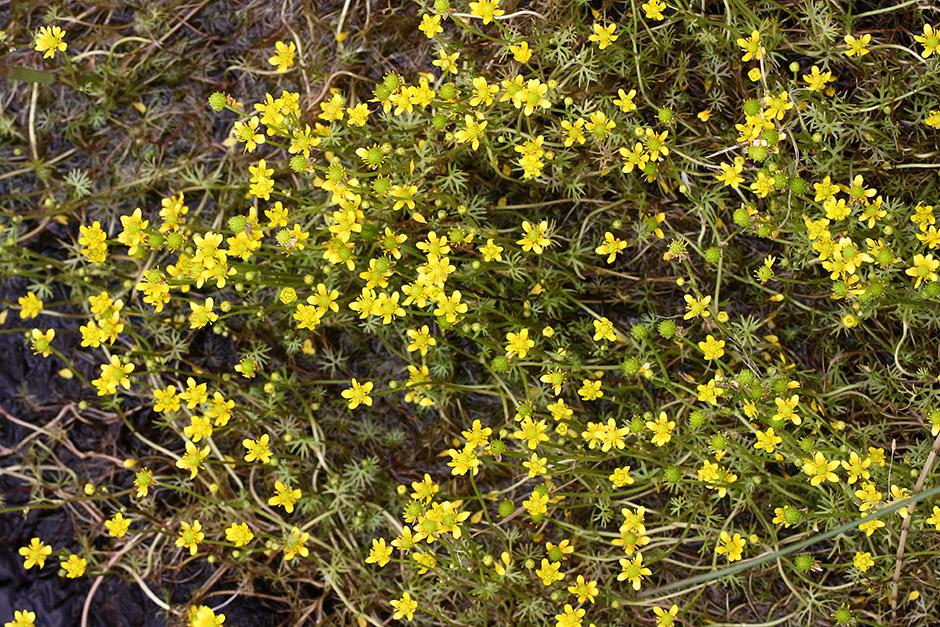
(358, 394)
(603, 35)
(404, 607)
(49, 39)
(74, 566)
(22, 618)
(820, 469)
(284, 57)
(731, 546)
(284, 496)
(379, 553)
(929, 40)
(240, 534)
(856, 47)
(35, 554)
(190, 536)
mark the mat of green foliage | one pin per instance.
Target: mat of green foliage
(478, 313)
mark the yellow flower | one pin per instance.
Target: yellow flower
(590, 390)
(820, 469)
(653, 9)
(633, 570)
(624, 100)
(924, 269)
(536, 465)
(584, 590)
(665, 618)
(202, 315)
(869, 527)
(472, 132)
(533, 433)
(786, 409)
(192, 459)
(603, 35)
(35, 554)
(518, 343)
(732, 546)
(117, 526)
(929, 40)
(257, 449)
(30, 306)
(731, 173)
(598, 125)
(74, 566)
(752, 47)
(358, 394)
(430, 25)
(486, 9)
(611, 247)
(862, 561)
(767, 440)
(621, 477)
(294, 544)
(49, 40)
(42, 342)
(548, 572)
(571, 617)
(447, 62)
(284, 496)
(662, 429)
(284, 57)
(463, 461)
(143, 481)
(379, 553)
(247, 133)
(696, 307)
(933, 119)
(817, 80)
(404, 607)
(93, 241)
(712, 348)
(535, 237)
(239, 534)
(190, 536)
(604, 330)
(358, 115)
(934, 519)
(22, 618)
(857, 46)
(521, 53)
(857, 467)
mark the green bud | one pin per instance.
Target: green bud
(756, 152)
(667, 328)
(298, 163)
(797, 185)
(217, 101)
(237, 224)
(631, 366)
(805, 562)
(447, 91)
(751, 107)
